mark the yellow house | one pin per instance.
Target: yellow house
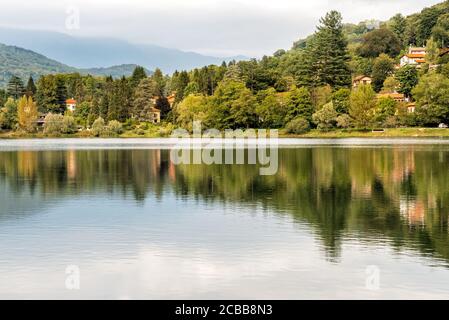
(361, 80)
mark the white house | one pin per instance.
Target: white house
(70, 105)
(416, 56)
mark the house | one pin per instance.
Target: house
(361, 80)
(70, 105)
(398, 97)
(155, 115)
(416, 56)
(411, 107)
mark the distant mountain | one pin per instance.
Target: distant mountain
(114, 71)
(104, 52)
(23, 63)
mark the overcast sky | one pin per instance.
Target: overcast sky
(216, 27)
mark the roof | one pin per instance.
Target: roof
(360, 78)
(444, 51)
(417, 49)
(391, 95)
(70, 101)
(416, 55)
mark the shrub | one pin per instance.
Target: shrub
(298, 125)
(53, 123)
(344, 121)
(98, 127)
(326, 117)
(68, 125)
(115, 127)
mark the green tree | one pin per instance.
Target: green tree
(408, 79)
(383, 67)
(158, 78)
(145, 98)
(380, 41)
(138, 75)
(428, 18)
(232, 106)
(298, 126)
(50, 94)
(432, 98)
(299, 104)
(362, 104)
(8, 115)
(391, 84)
(340, 99)
(385, 108)
(15, 87)
(272, 109)
(432, 51)
(441, 31)
(98, 127)
(326, 117)
(398, 25)
(192, 108)
(326, 56)
(30, 90)
(120, 103)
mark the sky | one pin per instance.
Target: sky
(213, 27)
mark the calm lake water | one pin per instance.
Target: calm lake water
(363, 219)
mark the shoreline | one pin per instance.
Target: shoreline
(62, 144)
(314, 134)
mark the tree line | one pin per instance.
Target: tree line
(309, 86)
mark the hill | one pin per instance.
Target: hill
(24, 63)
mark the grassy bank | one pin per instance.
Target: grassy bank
(403, 132)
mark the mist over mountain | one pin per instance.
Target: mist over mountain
(83, 52)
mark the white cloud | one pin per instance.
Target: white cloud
(220, 27)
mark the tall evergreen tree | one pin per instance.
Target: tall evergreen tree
(139, 73)
(30, 88)
(145, 98)
(120, 103)
(327, 55)
(158, 78)
(15, 87)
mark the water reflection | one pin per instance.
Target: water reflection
(397, 196)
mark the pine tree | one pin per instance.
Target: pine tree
(15, 87)
(158, 78)
(327, 57)
(51, 94)
(120, 102)
(144, 98)
(139, 73)
(31, 88)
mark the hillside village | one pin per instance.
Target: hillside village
(391, 74)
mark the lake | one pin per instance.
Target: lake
(353, 218)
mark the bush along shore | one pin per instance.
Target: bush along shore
(372, 79)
